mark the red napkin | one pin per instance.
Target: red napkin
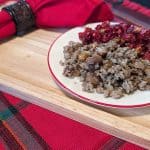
(59, 13)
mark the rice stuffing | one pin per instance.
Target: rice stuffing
(108, 68)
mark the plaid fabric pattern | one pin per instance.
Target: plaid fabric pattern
(15, 131)
(24, 126)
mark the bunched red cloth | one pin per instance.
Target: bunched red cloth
(24, 126)
(59, 13)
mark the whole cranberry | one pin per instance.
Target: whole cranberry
(86, 36)
(96, 36)
(105, 24)
(125, 26)
(118, 31)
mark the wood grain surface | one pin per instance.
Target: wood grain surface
(24, 73)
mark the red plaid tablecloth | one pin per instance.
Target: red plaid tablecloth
(24, 126)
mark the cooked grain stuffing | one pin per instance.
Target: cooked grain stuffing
(107, 68)
(114, 60)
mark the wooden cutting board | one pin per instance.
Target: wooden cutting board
(24, 73)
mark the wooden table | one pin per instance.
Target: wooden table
(24, 73)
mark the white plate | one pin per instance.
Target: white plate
(73, 86)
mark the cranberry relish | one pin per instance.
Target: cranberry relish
(129, 35)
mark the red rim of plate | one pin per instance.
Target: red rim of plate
(85, 99)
